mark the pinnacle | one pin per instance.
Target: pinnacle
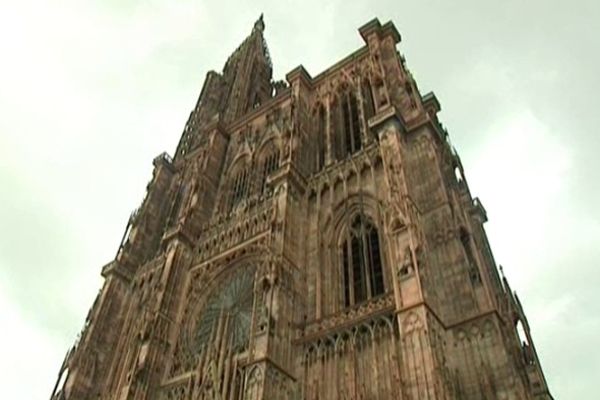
(259, 25)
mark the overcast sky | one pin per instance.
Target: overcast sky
(92, 91)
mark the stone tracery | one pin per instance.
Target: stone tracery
(312, 243)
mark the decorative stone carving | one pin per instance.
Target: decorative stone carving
(406, 268)
(345, 280)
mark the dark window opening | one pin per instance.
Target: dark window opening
(356, 137)
(362, 263)
(351, 128)
(347, 127)
(358, 270)
(321, 132)
(346, 131)
(375, 261)
(346, 282)
(336, 131)
(465, 240)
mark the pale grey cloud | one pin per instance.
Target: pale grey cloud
(92, 91)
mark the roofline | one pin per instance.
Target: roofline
(300, 70)
(371, 27)
(375, 27)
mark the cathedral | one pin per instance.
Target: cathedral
(311, 238)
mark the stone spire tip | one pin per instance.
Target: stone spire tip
(259, 25)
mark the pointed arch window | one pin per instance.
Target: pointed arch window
(361, 262)
(352, 137)
(239, 187)
(337, 145)
(321, 132)
(269, 164)
(347, 137)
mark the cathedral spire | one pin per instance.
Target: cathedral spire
(244, 84)
(249, 71)
(254, 44)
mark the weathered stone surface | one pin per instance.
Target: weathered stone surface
(314, 239)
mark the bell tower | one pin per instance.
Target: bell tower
(310, 239)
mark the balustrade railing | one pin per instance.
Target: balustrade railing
(350, 315)
(240, 225)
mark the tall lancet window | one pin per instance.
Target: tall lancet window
(337, 142)
(269, 164)
(238, 187)
(351, 135)
(321, 132)
(361, 262)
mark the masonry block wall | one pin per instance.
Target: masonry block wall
(313, 238)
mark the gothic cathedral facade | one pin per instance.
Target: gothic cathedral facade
(313, 238)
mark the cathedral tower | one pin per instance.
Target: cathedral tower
(310, 239)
